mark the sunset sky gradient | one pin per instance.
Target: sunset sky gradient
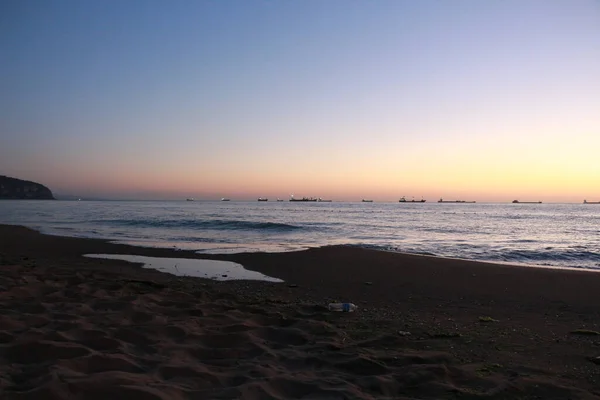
(341, 99)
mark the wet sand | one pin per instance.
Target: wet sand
(73, 327)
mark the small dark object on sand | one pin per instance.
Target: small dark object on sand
(587, 332)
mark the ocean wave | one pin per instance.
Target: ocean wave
(217, 224)
(565, 258)
(192, 239)
(550, 256)
(447, 230)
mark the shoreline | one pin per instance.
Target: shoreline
(420, 271)
(305, 248)
(426, 327)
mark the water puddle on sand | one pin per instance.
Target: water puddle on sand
(210, 269)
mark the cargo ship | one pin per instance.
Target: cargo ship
(526, 202)
(403, 200)
(367, 201)
(454, 201)
(292, 198)
(263, 199)
(591, 202)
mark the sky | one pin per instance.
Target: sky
(340, 99)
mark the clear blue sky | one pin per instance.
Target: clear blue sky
(343, 99)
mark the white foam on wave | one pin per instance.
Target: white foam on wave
(209, 269)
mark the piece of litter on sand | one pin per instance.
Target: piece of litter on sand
(342, 307)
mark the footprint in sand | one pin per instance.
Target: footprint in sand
(43, 351)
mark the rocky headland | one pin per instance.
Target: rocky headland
(13, 188)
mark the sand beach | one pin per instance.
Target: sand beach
(73, 327)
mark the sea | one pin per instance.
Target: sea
(541, 235)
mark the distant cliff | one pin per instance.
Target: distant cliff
(12, 188)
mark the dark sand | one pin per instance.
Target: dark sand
(79, 328)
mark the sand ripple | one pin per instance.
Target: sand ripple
(79, 337)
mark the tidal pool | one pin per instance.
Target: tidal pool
(210, 269)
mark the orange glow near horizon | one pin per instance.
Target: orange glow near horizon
(451, 179)
(469, 167)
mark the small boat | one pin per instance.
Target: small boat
(263, 199)
(224, 199)
(189, 199)
(367, 201)
(526, 202)
(454, 201)
(591, 202)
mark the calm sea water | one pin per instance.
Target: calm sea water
(559, 235)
